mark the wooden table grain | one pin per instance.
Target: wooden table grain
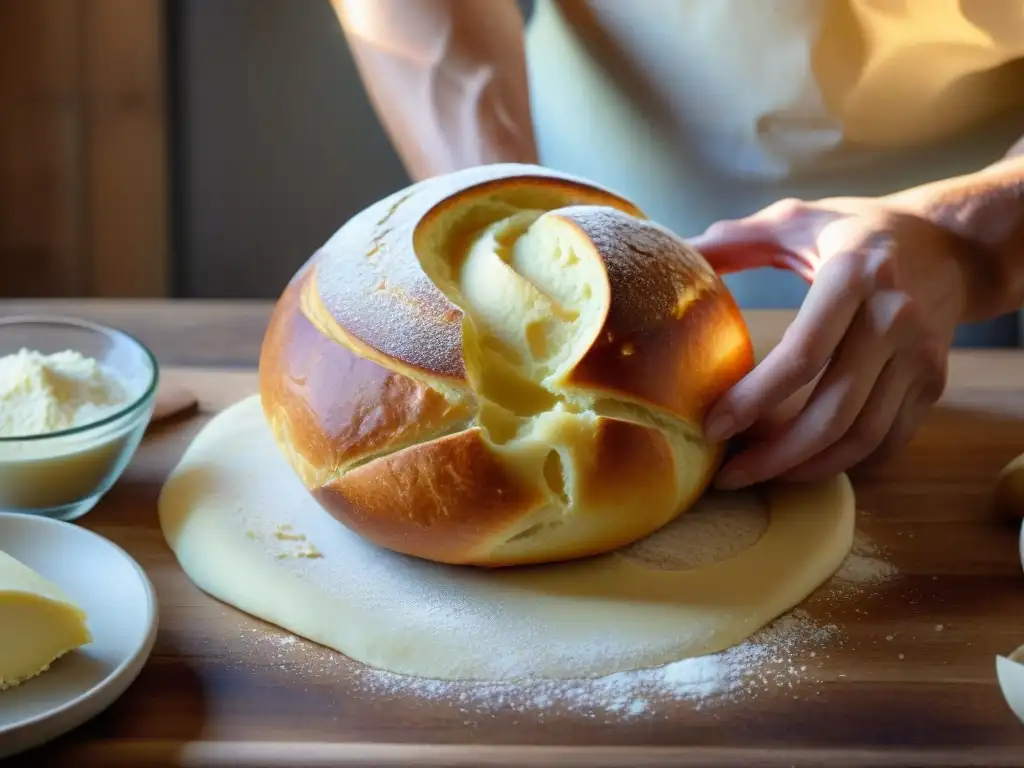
(209, 696)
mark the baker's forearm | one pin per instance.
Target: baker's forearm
(986, 211)
(446, 77)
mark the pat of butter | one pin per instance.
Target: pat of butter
(38, 623)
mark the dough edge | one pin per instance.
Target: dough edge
(212, 549)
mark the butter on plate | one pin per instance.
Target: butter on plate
(38, 623)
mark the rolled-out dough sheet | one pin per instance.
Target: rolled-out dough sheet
(246, 531)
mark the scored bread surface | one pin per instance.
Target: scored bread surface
(501, 366)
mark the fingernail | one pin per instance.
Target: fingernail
(720, 428)
(732, 480)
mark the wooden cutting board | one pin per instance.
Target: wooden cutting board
(890, 689)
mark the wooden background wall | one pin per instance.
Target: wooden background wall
(83, 149)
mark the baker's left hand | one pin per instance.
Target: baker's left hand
(866, 355)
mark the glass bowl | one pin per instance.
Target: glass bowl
(63, 474)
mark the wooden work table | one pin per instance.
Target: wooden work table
(211, 697)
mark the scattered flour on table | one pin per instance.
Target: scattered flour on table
(770, 659)
(787, 654)
(862, 569)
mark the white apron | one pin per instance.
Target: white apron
(700, 110)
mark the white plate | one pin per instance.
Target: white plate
(122, 616)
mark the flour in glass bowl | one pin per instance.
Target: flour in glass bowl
(41, 394)
(784, 656)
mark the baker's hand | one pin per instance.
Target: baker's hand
(866, 355)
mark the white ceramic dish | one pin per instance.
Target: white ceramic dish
(122, 615)
(1010, 668)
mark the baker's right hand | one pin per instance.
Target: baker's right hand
(888, 290)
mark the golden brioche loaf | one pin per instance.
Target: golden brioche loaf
(501, 366)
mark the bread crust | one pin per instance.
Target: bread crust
(444, 499)
(330, 407)
(673, 337)
(372, 284)
(364, 380)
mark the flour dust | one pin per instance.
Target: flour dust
(787, 655)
